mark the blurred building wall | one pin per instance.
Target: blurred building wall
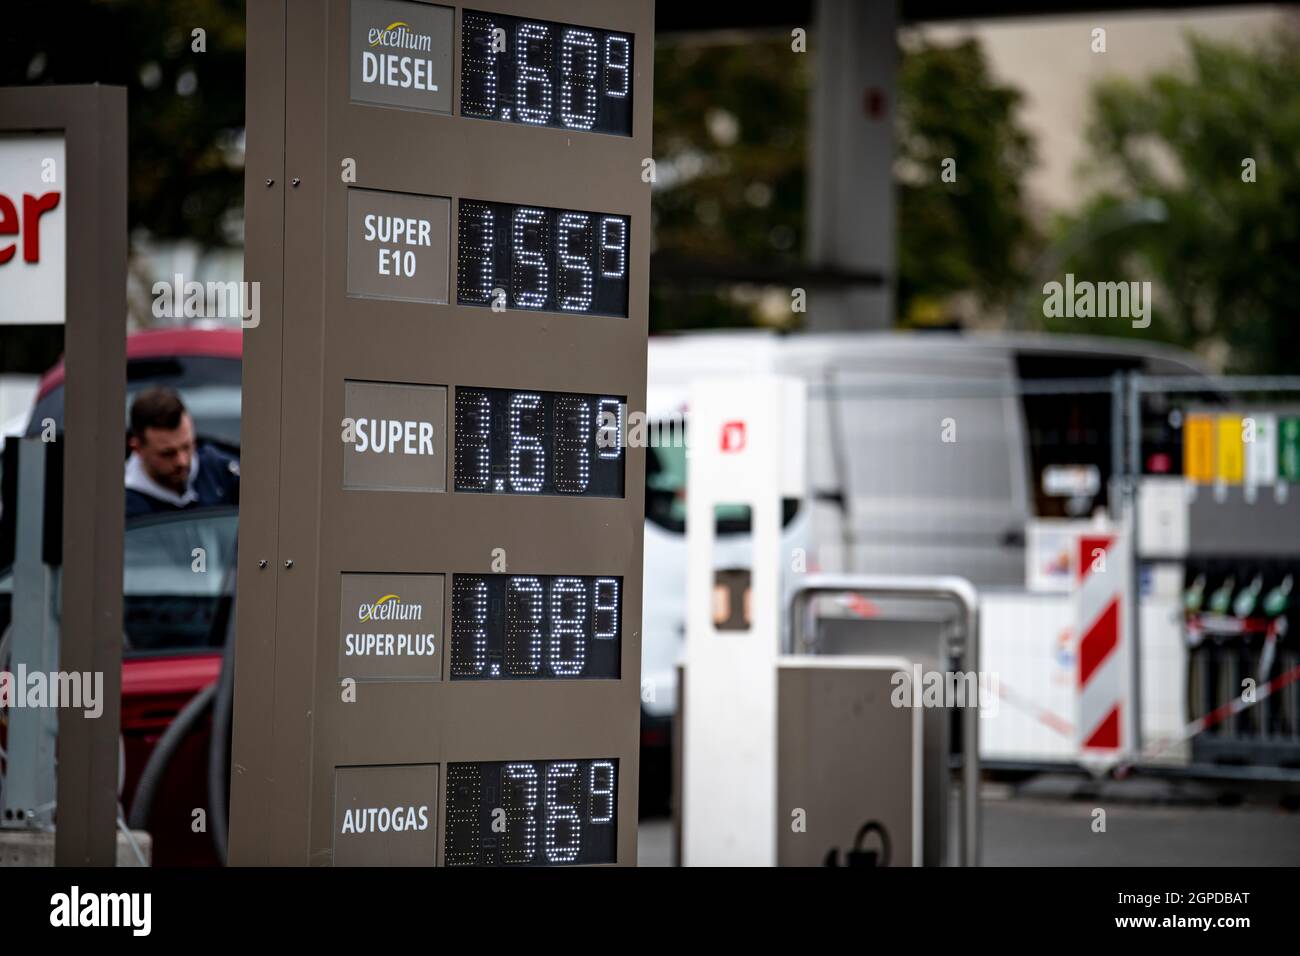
(1051, 60)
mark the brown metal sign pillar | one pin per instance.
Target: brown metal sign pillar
(92, 120)
(438, 657)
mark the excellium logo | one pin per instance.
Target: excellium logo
(398, 34)
(103, 909)
(390, 607)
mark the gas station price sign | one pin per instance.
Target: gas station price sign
(539, 443)
(550, 260)
(444, 522)
(557, 812)
(535, 626)
(542, 73)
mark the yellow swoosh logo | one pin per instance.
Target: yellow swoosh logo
(391, 26)
(382, 600)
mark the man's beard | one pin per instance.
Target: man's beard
(178, 485)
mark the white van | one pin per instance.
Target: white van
(887, 492)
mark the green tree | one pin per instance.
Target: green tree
(730, 121)
(186, 108)
(1224, 263)
(971, 234)
(731, 141)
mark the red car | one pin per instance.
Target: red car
(174, 620)
(204, 365)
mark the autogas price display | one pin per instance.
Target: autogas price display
(556, 813)
(535, 626)
(543, 73)
(539, 443)
(548, 260)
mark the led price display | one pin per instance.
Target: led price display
(543, 73)
(557, 812)
(534, 626)
(539, 443)
(548, 260)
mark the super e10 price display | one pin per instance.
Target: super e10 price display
(543, 73)
(556, 813)
(542, 259)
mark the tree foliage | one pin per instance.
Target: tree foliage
(732, 138)
(186, 108)
(972, 234)
(1225, 264)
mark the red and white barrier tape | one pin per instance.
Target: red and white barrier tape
(1036, 710)
(1216, 716)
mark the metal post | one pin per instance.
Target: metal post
(851, 159)
(92, 119)
(1118, 471)
(1132, 483)
(28, 796)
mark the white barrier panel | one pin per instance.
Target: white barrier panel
(743, 434)
(1027, 640)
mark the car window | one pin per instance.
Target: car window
(174, 600)
(665, 485)
(177, 572)
(209, 386)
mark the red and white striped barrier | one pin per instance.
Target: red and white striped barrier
(1104, 683)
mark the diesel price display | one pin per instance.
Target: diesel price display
(543, 73)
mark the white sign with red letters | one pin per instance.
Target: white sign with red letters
(33, 229)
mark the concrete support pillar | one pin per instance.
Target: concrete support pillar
(852, 148)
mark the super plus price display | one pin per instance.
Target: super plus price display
(535, 626)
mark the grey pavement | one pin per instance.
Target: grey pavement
(1049, 822)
